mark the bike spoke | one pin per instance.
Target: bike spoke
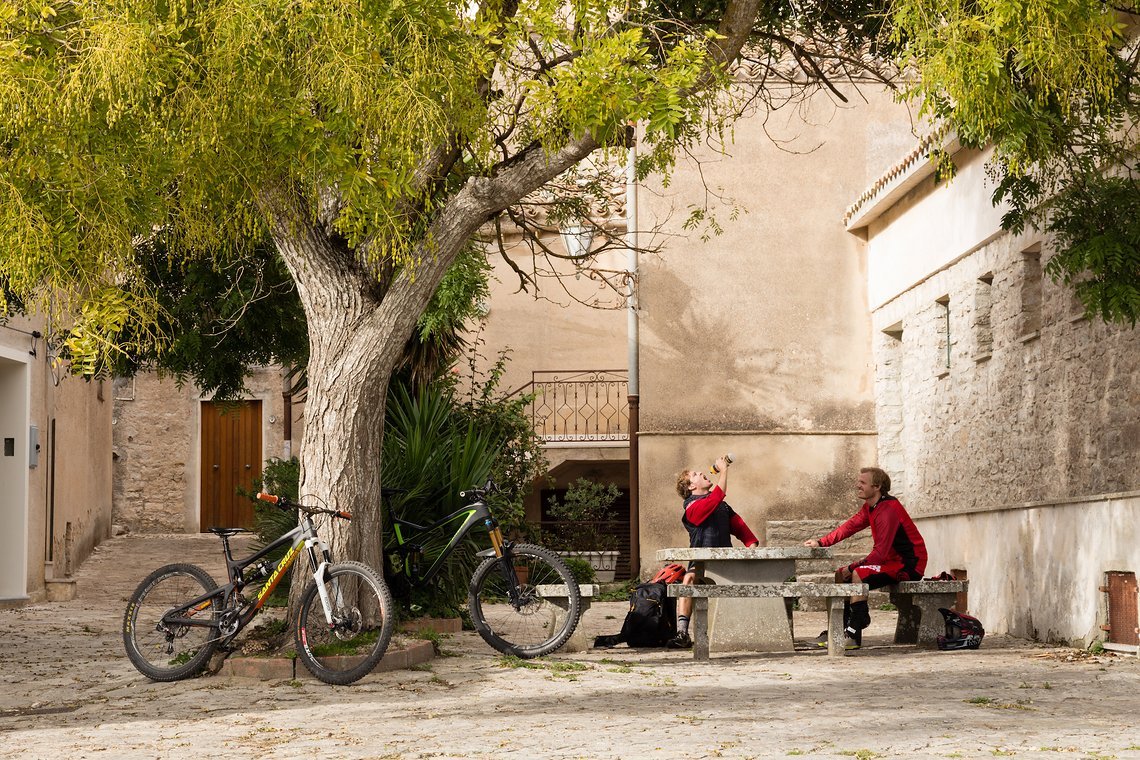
(509, 608)
(158, 644)
(361, 610)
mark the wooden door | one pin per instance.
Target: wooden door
(231, 457)
(1122, 617)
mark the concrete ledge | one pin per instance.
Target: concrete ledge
(60, 589)
(928, 587)
(274, 668)
(743, 553)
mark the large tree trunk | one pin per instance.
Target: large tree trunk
(353, 348)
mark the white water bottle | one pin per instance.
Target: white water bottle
(730, 458)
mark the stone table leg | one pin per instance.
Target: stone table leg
(919, 621)
(556, 595)
(749, 625)
(700, 623)
(835, 633)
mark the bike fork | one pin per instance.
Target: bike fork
(323, 593)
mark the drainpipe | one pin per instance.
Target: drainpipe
(632, 336)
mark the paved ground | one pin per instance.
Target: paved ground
(68, 691)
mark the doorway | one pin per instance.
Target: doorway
(231, 458)
(14, 477)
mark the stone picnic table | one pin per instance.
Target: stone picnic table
(747, 624)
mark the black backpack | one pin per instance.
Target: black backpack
(652, 617)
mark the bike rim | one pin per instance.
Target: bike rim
(167, 647)
(529, 622)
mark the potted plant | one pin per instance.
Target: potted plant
(580, 533)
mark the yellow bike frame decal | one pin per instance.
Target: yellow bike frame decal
(281, 568)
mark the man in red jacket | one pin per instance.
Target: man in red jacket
(710, 523)
(899, 553)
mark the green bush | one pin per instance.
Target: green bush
(438, 442)
(281, 477)
(585, 505)
(582, 570)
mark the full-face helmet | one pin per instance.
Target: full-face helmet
(962, 631)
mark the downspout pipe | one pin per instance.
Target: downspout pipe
(632, 349)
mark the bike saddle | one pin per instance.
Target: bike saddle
(227, 531)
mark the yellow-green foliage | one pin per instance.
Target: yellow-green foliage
(215, 119)
(1003, 70)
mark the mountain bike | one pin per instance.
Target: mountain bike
(178, 616)
(512, 591)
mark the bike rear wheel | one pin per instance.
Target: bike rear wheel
(511, 602)
(165, 651)
(362, 612)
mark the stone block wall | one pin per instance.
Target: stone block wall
(992, 387)
(157, 448)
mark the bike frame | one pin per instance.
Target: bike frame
(304, 534)
(472, 514)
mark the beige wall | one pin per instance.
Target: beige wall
(551, 329)
(758, 340)
(555, 330)
(157, 447)
(1010, 422)
(60, 509)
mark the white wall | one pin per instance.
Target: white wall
(929, 229)
(1035, 570)
(13, 475)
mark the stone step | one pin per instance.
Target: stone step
(795, 532)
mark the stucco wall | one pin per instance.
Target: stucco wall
(1035, 570)
(757, 341)
(551, 329)
(83, 487)
(774, 477)
(157, 448)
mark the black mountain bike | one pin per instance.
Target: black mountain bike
(178, 615)
(511, 593)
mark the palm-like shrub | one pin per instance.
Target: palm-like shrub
(433, 450)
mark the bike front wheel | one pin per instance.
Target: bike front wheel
(158, 638)
(348, 648)
(527, 606)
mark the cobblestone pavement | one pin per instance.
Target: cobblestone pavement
(68, 691)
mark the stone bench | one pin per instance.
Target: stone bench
(557, 595)
(919, 620)
(834, 593)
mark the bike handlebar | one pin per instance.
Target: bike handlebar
(477, 492)
(282, 502)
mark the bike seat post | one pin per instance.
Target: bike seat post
(226, 548)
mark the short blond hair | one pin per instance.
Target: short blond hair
(683, 483)
(879, 478)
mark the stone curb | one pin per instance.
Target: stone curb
(273, 668)
(438, 625)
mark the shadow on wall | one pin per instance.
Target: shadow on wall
(823, 496)
(743, 385)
